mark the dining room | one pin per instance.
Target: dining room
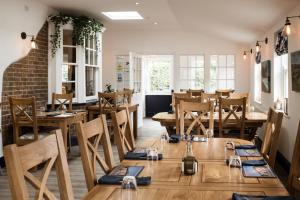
(136, 99)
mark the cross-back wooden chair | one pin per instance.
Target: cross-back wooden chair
(177, 108)
(107, 102)
(23, 112)
(271, 136)
(188, 109)
(179, 95)
(19, 160)
(232, 119)
(224, 93)
(237, 95)
(195, 93)
(90, 136)
(127, 95)
(206, 97)
(294, 176)
(62, 100)
(123, 132)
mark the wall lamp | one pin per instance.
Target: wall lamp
(33, 42)
(257, 46)
(245, 54)
(288, 24)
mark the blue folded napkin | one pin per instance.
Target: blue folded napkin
(139, 156)
(261, 162)
(245, 147)
(117, 180)
(174, 138)
(236, 196)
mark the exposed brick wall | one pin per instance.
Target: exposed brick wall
(24, 78)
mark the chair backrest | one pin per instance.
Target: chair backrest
(177, 108)
(195, 93)
(23, 112)
(90, 135)
(294, 176)
(271, 136)
(123, 132)
(19, 160)
(237, 95)
(179, 95)
(188, 109)
(224, 92)
(62, 100)
(127, 95)
(232, 118)
(107, 102)
(206, 97)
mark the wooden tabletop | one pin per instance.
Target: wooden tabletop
(120, 107)
(59, 114)
(214, 179)
(250, 117)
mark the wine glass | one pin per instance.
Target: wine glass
(129, 187)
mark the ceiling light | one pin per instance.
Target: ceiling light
(245, 54)
(137, 3)
(126, 15)
(287, 24)
(33, 42)
(155, 23)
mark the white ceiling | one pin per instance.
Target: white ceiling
(237, 20)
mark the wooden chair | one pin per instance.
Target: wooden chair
(195, 93)
(271, 136)
(128, 93)
(107, 102)
(238, 95)
(179, 95)
(294, 176)
(90, 135)
(187, 109)
(238, 119)
(23, 112)
(62, 100)
(224, 93)
(177, 109)
(206, 97)
(19, 160)
(123, 132)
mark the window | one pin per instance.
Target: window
(91, 66)
(222, 72)
(69, 65)
(159, 78)
(281, 80)
(191, 72)
(257, 83)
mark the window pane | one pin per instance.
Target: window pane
(230, 73)
(222, 73)
(183, 61)
(230, 61)
(214, 61)
(199, 73)
(69, 55)
(91, 58)
(213, 73)
(200, 61)
(192, 61)
(68, 73)
(90, 74)
(183, 73)
(222, 84)
(230, 84)
(87, 57)
(212, 85)
(222, 61)
(160, 75)
(68, 88)
(68, 37)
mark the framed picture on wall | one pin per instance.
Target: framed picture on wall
(295, 65)
(266, 76)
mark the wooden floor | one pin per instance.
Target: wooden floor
(150, 129)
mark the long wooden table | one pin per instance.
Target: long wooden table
(62, 120)
(214, 179)
(253, 120)
(132, 107)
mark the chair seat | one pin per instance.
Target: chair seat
(30, 135)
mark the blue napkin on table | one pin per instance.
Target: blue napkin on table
(236, 196)
(117, 180)
(261, 162)
(245, 147)
(174, 138)
(139, 156)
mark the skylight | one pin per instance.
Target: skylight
(127, 15)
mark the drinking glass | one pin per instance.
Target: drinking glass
(129, 187)
(209, 133)
(163, 140)
(228, 147)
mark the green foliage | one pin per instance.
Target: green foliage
(83, 28)
(108, 88)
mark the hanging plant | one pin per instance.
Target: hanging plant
(58, 21)
(83, 28)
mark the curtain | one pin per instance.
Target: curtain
(281, 45)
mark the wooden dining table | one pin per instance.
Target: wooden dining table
(62, 120)
(253, 120)
(214, 180)
(94, 110)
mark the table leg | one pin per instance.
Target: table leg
(135, 123)
(91, 115)
(64, 130)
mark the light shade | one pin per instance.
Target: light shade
(126, 15)
(33, 44)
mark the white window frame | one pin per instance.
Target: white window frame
(218, 67)
(257, 83)
(186, 83)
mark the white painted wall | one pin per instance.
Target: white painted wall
(171, 42)
(17, 16)
(290, 123)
